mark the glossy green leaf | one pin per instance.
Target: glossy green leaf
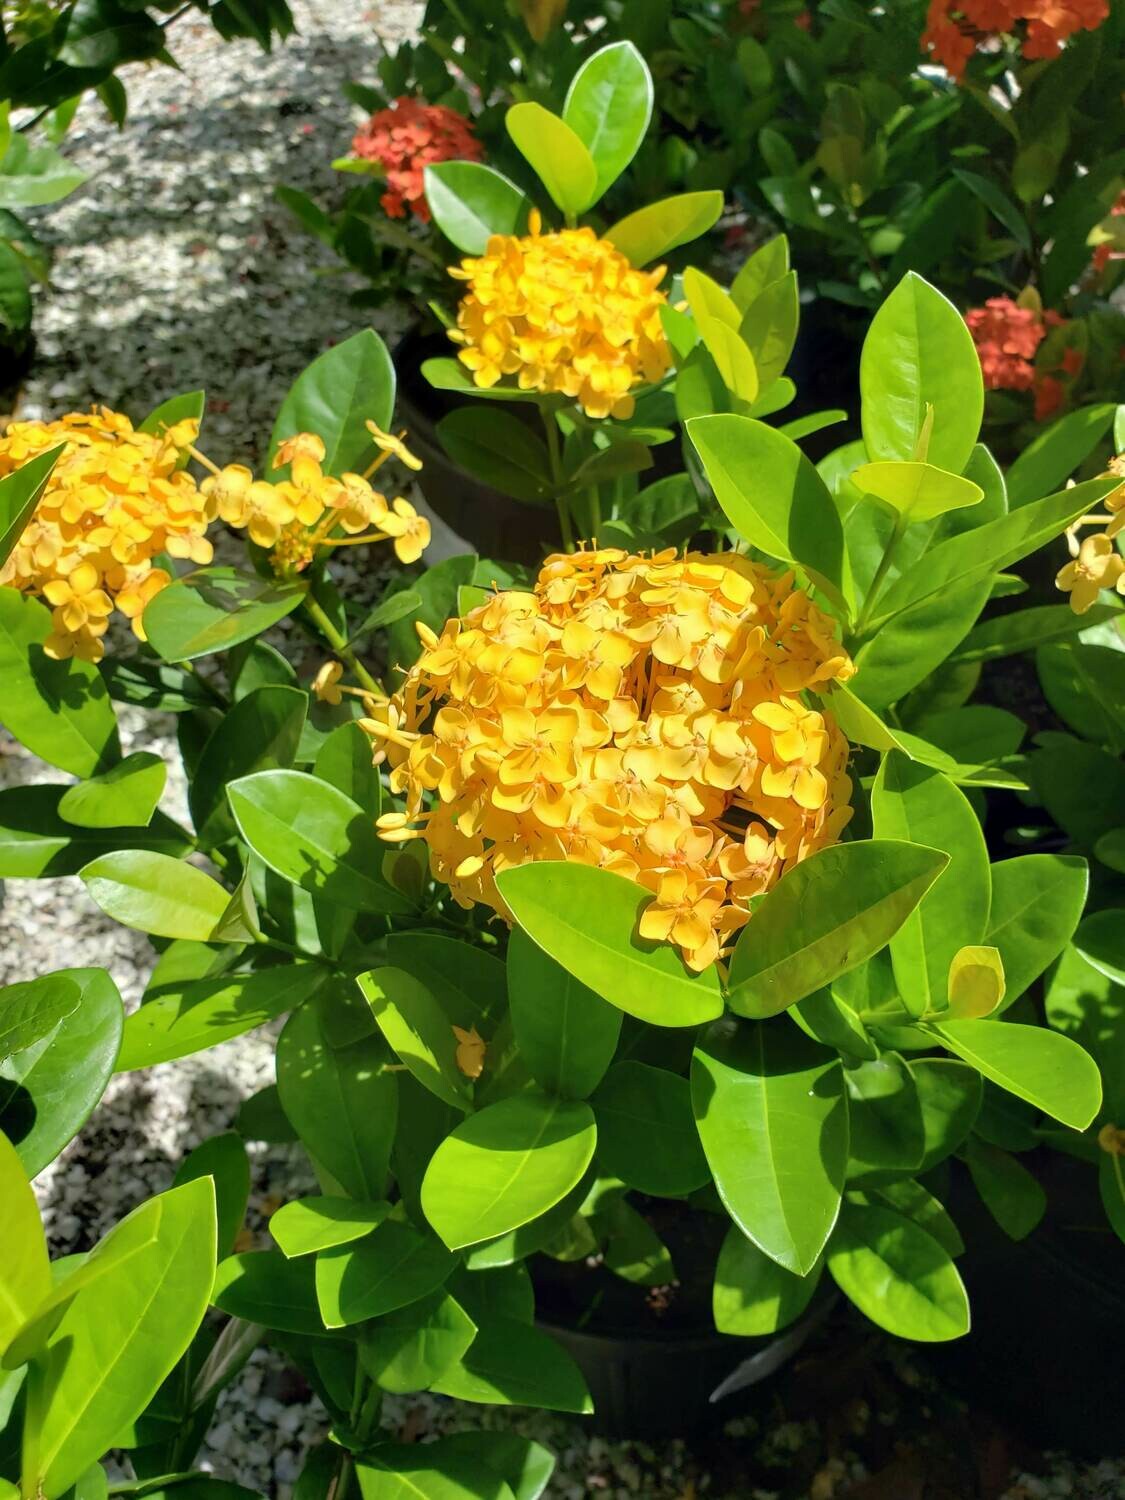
(1100, 939)
(586, 920)
(919, 355)
(420, 1030)
(188, 407)
(430, 1471)
(997, 201)
(769, 327)
(506, 1165)
(566, 1033)
(20, 493)
(652, 231)
(117, 1341)
(391, 1267)
(709, 302)
(1037, 902)
(48, 1090)
(770, 1108)
(28, 1011)
(733, 360)
(127, 793)
(155, 893)
(470, 202)
(915, 642)
(608, 106)
(826, 916)
(1025, 629)
(511, 1363)
(342, 1102)
(769, 263)
(556, 154)
(886, 1130)
(344, 761)
(1084, 1002)
(201, 1013)
(1012, 1195)
(260, 733)
(215, 608)
(920, 806)
(647, 1135)
(526, 1467)
(1053, 455)
(261, 1286)
(911, 1198)
(918, 492)
(1047, 1069)
(753, 1296)
(60, 710)
(446, 374)
(408, 1349)
(1085, 685)
(949, 1093)
(470, 983)
(772, 494)
(309, 1224)
(832, 1021)
(898, 1275)
(344, 388)
(223, 1159)
(27, 1272)
(502, 451)
(315, 837)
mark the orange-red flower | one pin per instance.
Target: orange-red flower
(647, 715)
(406, 139)
(1007, 336)
(955, 28)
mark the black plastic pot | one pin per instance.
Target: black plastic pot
(492, 523)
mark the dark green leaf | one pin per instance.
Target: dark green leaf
(345, 387)
(566, 1033)
(646, 1132)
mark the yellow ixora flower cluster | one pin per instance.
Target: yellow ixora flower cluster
(311, 509)
(116, 499)
(564, 312)
(1095, 562)
(641, 714)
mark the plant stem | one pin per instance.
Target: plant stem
(340, 646)
(880, 573)
(554, 455)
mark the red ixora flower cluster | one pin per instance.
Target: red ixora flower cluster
(955, 28)
(1007, 337)
(405, 140)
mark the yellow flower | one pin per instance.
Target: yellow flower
(325, 684)
(640, 714)
(116, 499)
(1098, 566)
(411, 532)
(564, 312)
(386, 442)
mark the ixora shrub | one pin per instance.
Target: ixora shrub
(652, 893)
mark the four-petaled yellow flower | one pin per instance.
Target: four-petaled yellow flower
(641, 714)
(564, 312)
(1096, 563)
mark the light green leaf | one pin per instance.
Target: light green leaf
(904, 650)
(407, 1350)
(260, 733)
(20, 493)
(156, 893)
(772, 1116)
(223, 1159)
(263, 1287)
(586, 919)
(1025, 629)
(1041, 1066)
(733, 359)
(753, 1296)
(647, 1135)
(414, 1471)
(391, 1267)
(566, 1033)
(1037, 902)
(950, 1094)
(34, 840)
(886, 1130)
(918, 492)
(189, 406)
(826, 916)
(127, 793)
(1085, 685)
(309, 1224)
(898, 1275)
(650, 232)
(215, 608)
(769, 263)
(506, 1165)
(28, 1011)
(469, 982)
(769, 327)
(27, 1272)
(341, 390)
(471, 202)
(510, 1363)
(1055, 453)
(420, 1030)
(556, 154)
(608, 106)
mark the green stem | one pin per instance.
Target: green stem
(554, 456)
(880, 574)
(340, 646)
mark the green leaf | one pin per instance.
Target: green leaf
(30, 1010)
(416, 1471)
(586, 920)
(156, 893)
(510, 1363)
(950, 1094)
(20, 493)
(1037, 902)
(732, 358)
(1101, 941)
(650, 232)
(506, 1165)
(315, 837)
(127, 792)
(708, 301)
(1085, 685)
(345, 387)
(1048, 1070)
(260, 733)
(1011, 1194)
(830, 1020)
(213, 609)
(27, 1272)
(389, 611)
(410, 1348)
(827, 915)
(1084, 1002)
(921, 806)
(997, 201)
(609, 106)
(309, 1224)
(769, 327)
(34, 840)
(769, 263)
(502, 451)
(919, 355)
(471, 202)
(566, 1033)
(117, 1340)
(451, 375)
(35, 175)
(912, 1199)
(389, 1268)
(904, 650)
(1052, 456)
(753, 1296)
(222, 1158)
(918, 492)
(263, 1287)
(772, 1116)
(898, 1275)
(188, 407)
(469, 982)
(886, 1131)
(59, 709)
(342, 1102)
(772, 494)
(419, 1029)
(646, 1132)
(556, 154)
(526, 1467)
(48, 1090)
(204, 1012)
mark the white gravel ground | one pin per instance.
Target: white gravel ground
(175, 269)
